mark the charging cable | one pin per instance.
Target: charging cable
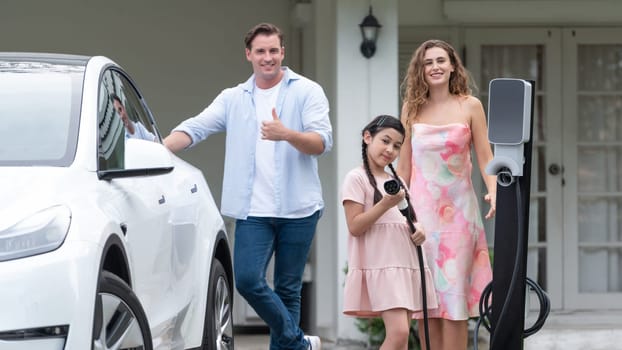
(505, 179)
(392, 187)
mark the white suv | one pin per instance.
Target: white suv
(107, 239)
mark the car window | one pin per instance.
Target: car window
(111, 130)
(39, 110)
(130, 106)
(122, 116)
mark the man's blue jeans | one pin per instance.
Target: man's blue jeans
(256, 238)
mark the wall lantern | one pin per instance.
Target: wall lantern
(369, 30)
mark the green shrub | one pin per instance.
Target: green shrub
(375, 331)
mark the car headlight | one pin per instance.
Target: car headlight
(39, 233)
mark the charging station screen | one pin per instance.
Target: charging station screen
(506, 110)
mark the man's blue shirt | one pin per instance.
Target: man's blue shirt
(301, 106)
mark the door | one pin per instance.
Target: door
(592, 144)
(140, 203)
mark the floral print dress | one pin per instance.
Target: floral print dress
(445, 203)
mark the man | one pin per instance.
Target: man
(132, 129)
(277, 124)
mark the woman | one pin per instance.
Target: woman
(442, 120)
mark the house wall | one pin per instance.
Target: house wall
(421, 13)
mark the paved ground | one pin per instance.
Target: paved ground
(546, 339)
(251, 342)
(261, 341)
(562, 331)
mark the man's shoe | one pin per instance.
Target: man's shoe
(315, 343)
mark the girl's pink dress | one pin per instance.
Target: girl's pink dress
(445, 203)
(383, 268)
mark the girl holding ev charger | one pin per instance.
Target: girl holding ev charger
(443, 121)
(383, 277)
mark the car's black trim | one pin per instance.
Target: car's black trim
(119, 265)
(222, 252)
(114, 174)
(59, 331)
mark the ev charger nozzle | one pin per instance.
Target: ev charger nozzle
(392, 187)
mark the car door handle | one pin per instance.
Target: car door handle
(162, 200)
(193, 189)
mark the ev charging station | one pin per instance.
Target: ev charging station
(510, 119)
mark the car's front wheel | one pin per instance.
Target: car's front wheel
(218, 329)
(119, 320)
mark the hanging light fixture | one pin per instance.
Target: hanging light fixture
(369, 30)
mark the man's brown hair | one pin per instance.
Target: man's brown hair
(263, 29)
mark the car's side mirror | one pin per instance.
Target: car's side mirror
(142, 158)
(143, 154)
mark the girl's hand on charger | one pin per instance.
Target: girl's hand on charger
(392, 200)
(419, 236)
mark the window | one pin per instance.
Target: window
(122, 116)
(40, 111)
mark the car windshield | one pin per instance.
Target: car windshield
(39, 112)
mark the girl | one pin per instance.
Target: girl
(442, 121)
(383, 271)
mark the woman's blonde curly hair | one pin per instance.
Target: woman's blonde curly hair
(415, 88)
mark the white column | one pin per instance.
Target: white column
(326, 271)
(365, 88)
